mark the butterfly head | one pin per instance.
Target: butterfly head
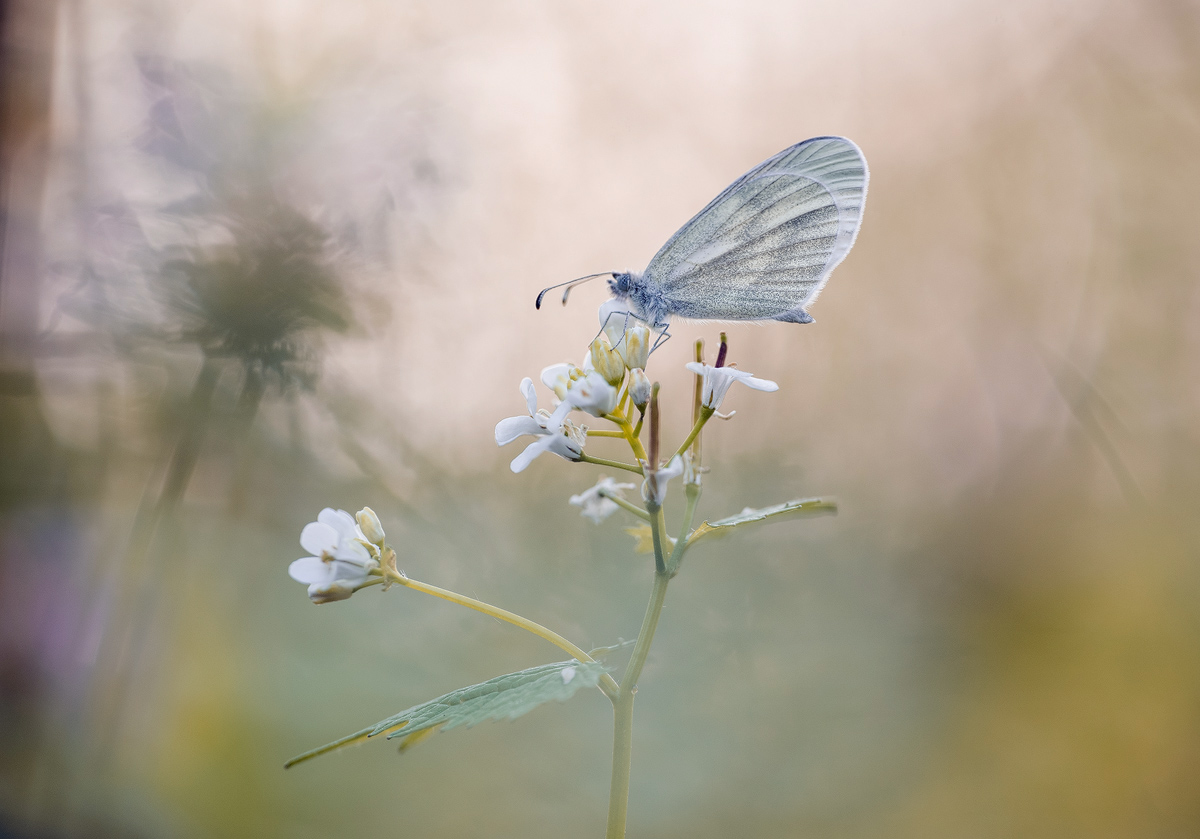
(620, 285)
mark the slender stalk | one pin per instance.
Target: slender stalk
(627, 506)
(607, 684)
(603, 433)
(681, 544)
(630, 432)
(613, 464)
(705, 415)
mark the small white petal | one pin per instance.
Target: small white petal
(311, 570)
(350, 572)
(564, 447)
(555, 421)
(760, 384)
(537, 447)
(318, 538)
(557, 377)
(556, 442)
(615, 318)
(339, 520)
(530, 394)
(354, 552)
(511, 428)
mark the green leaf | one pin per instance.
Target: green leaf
(504, 697)
(807, 507)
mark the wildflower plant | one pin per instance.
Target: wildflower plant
(610, 386)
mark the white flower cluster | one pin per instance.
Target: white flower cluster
(592, 387)
(345, 550)
(611, 378)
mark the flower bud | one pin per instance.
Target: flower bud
(369, 524)
(639, 387)
(607, 362)
(635, 348)
(329, 592)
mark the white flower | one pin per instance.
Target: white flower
(558, 377)
(654, 488)
(538, 422)
(717, 381)
(592, 393)
(579, 388)
(554, 432)
(596, 502)
(340, 561)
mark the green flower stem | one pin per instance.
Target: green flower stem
(607, 683)
(603, 433)
(705, 415)
(627, 506)
(692, 491)
(612, 464)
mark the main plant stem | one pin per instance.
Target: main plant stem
(618, 799)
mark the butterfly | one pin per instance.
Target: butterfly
(761, 250)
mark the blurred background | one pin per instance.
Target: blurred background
(261, 258)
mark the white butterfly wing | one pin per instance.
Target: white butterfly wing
(765, 247)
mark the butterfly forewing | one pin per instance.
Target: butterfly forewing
(767, 244)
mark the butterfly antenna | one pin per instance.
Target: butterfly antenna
(570, 284)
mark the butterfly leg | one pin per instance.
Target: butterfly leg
(663, 336)
(604, 325)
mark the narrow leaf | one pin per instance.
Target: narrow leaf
(806, 507)
(504, 697)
